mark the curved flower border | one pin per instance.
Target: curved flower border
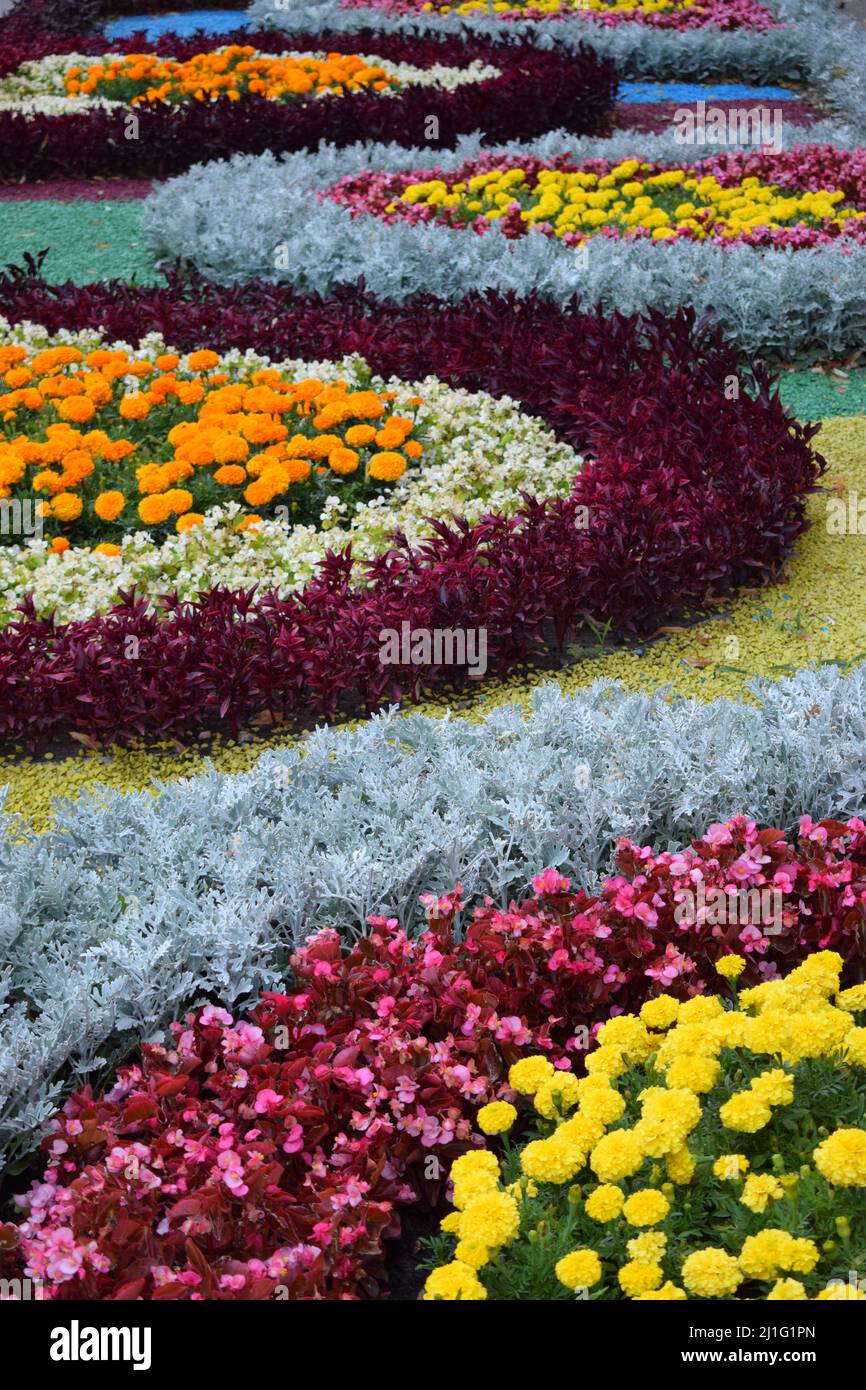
(627, 549)
(486, 455)
(532, 92)
(270, 218)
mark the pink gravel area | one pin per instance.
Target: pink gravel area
(649, 117)
(76, 190)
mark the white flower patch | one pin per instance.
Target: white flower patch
(39, 88)
(480, 454)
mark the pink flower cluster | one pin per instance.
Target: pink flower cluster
(269, 1156)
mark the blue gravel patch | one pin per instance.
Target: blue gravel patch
(689, 92)
(154, 26)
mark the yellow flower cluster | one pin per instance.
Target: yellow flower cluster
(82, 431)
(564, 7)
(601, 1189)
(229, 72)
(630, 199)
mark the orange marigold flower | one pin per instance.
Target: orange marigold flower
(344, 460)
(152, 510)
(413, 449)
(387, 467)
(360, 434)
(67, 507)
(106, 548)
(166, 362)
(136, 407)
(76, 408)
(59, 544)
(202, 361)
(109, 505)
(231, 474)
(187, 522)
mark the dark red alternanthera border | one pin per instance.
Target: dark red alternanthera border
(691, 488)
(535, 92)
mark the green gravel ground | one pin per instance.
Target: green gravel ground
(85, 241)
(823, 393)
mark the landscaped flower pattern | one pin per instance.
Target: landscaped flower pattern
(709, 1152)
(265, 518)
(668, 14)
(714, 200)
(73, 82)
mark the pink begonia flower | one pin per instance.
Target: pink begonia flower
(211, 1014)
(294, 1140)
(267, 1101)
(233, 1173)
(558, 959)
(785, 878)
(753, 940)
(644, 913)
(233, 1282)
(512, 1029)
(717, 835)
(551, 881)
(65, 1257)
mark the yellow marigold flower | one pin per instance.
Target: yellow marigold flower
(774, 1087)
(581, 1130)
(456, 1282)
(624, 1031)
(639, 1277)
(606, 1061)
(616, 1156)
(649, 1246)
(773, 1251)
(528, 1074)
(109, 505)
(646, 1207)
(451, 1222)
(551, 1160)
(759, 1189)
(787, 1291)
(579, 1270)
(668, 1293)
(387, 467)
(840, 1291)
(852, 1000)
(730, 967)
(491, 1219)
(696, 1073)
(605, 1202)
(745, 1112)
(497, 1117)
(841, 1158)
(711, 1273)
(472, 1253)
(557, 1095)
(854, 1047)
(701, 1008)
(680, 1166)
(731, 1167)
(660, 1012)
(602, 1103)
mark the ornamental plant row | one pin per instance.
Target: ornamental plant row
(697, 484)
(270, 1156)
(288, 221)
(532, 93)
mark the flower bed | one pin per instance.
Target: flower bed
(756, 200)
(233, 470)
(623, 551)
(719, 1154)
(766, 298)
(84, 114)
(276, 1151)
(681, 15)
